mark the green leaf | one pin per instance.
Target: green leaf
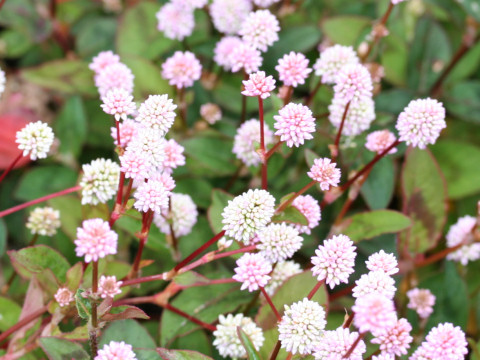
(96, 33)
(68, 76)
(60, 349)
(71, 126)
(252, 353)
(472, 8)
(129, 331)
(9, 313)
(83, 305)
(32, 260)
(458, 162)
(210, 154)
(138, 34)
(70, 213)
(125, 312)
(394, 58)
(370, 224)
(220, 200)
(310, 157)
(189, 278)
(74, 276)
(294, 289)
(16, 43)
(148, 80)
(424, 201)
(466, 66)
(464, 101)
(431, 44)
(3, 237)
(344, 30)
(291, 215)
(167, 354)
(378, 188)
(41, 181)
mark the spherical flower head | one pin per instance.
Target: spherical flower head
(421, 122)
(336, 343)
(224, 49)
(151, 144)
(181, 69)
(226, 337)
(157, 112)
(114, 76)
(246, 57)
(252, 271)
(334, 260)
(211, 113)
(99, 181)
(247, 214)
(116, 351)
(301, 327)
(165, 178)
(295, 124)
(247, 141)
(260, 29)
(383, 356)
(373, 312)
(332, 60)
(181, 217)
(151, 195)
(265, 3)
(375, 282)
(191, 4)
(3, 80)
(173, 156)
(396, 339)
(462, 232)
(95, 240)
(44, 221)
(135, 165)
(258, 85)
(443, 342)
(175, 21)
(293, 69)
(128, 129)
(278, 242)
(353, 83)
(118, 102)
(379, 141)
(35, 139)
(325, 173)
(102, 60)
(310, 208)
(64, 296)
(283, 270)
(359, 116)
(422, 301)
(228, 16)
(108, 286)
(382, 261)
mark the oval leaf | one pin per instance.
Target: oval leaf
(60, 349)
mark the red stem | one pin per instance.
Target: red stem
(127, 194)
(23, 322)
(284, 205)
(273, 149)
(354, 345)
(339, 133)
(349, 321)
(317, 286)
(144, 279)
(11, 166)
(199, 250)
(262, 145)
(117, 124)
(120, 188)
(312, 94)
(272, 306)
(39, 200)
(438, 256)
(276, 350)
(189, 317)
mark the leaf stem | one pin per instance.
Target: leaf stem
(21, 323)
(339, 133)
(354, 345)
(11, 166)
(262, 145)
(189, 317)
(93, 331)
(317, 286)
(285, 204)
(272, 306)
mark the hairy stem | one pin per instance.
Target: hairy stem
(39, 200)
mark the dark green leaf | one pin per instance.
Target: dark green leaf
(9, 313)
(60, 349)
(472, 8)
(464, 101)
(370, 224)
(291, 215)
(220, 200)
(129, 331)
(378, 188)
(35, 259)
(71, 126)
(68, 76)
(3, 237)
(424, 201)
(335, 27)
(252, 353)
(167, 354)
(84, 307)
(96, 34)
(125, 312)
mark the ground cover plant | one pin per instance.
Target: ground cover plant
(261, 179)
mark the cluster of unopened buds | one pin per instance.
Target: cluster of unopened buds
(143, 179)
